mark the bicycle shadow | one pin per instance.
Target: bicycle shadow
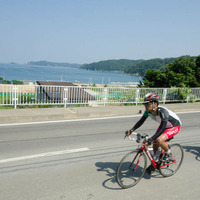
(194, 150)
(110, 169)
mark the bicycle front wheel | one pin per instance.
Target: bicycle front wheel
(170, 167)
(131, 169)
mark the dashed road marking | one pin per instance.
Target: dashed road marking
(55, 153)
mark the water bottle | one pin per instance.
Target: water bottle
(151, 151)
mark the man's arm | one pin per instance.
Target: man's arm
(139, 123)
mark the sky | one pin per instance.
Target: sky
(85, 31)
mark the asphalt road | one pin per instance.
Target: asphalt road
(77, 159)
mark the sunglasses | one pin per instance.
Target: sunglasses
(147, 104)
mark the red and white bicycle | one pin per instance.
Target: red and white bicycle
(133, 165)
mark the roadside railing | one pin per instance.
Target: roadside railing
(60, 95)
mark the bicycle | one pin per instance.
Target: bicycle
(133, 165)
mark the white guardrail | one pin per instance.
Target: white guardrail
(52, 95)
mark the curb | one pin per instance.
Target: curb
(51, 114)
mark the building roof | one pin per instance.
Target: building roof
(55, 91)
(55, 83)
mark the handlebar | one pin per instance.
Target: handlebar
(138, 137)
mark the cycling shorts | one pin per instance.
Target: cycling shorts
(170, 132)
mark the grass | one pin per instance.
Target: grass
(6, 107)
(32, 106)
(41, 106)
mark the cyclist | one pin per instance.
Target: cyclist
(169, 125)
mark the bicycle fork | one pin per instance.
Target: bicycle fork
(140, 152)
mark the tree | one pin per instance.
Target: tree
(2, 81)
(154, 78)
(197, 70)
(183, 71)
(16, 82)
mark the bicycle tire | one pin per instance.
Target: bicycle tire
(170, 167)
(131, 169)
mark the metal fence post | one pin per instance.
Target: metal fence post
(105, 96)
(137, 96)
(15, 96)
(164, 95)
(65, 96)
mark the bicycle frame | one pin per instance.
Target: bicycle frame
(143, 148)
(154, 164)
(133, 165)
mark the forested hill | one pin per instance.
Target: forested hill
(142, 67)
(135, 67)
(55, 64)
(111, 65)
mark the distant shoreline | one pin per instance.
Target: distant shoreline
(70, 74)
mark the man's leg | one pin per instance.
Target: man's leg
(161, 140)
(167, 134)
(155, 146)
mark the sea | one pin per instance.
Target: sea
(70, 74)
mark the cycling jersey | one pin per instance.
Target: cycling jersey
(163, 114)
(165, 117)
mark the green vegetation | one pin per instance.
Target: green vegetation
(141, 68)
(32, 106)
(122, 95)
(111, 65)
(25, 98)
(15, 82)
(136, 67)
(6, 107)
(46, 63)
(183, 72)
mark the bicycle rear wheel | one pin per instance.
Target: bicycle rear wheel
(131, 169)
(168, 168)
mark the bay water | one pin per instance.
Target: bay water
(70, 74)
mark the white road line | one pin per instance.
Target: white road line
(197, 111)
(69, 120)
(86, 119)
(55, 153)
